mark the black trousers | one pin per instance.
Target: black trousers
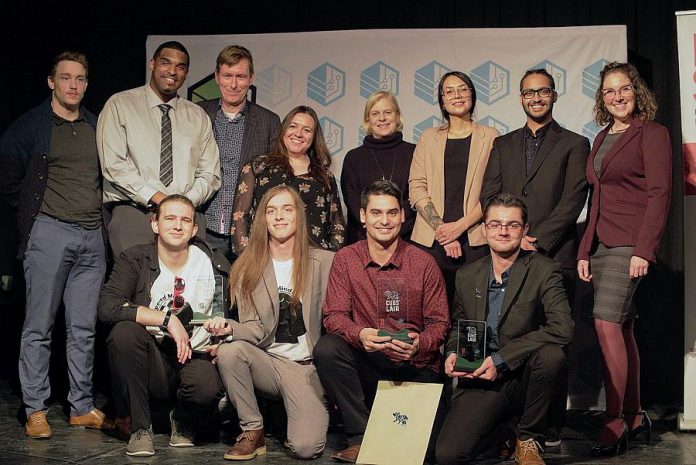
(481, 408)
(449, 265)
(143, 370)
(350, 376)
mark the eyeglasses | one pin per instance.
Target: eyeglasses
(454, 92)
(544, 92)
(514, 226)
(609, 94)
(179, 287)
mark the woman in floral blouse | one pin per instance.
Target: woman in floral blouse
(301, 160)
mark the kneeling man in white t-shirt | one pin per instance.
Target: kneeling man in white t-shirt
(149, 299)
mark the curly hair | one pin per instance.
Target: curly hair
(646, 105)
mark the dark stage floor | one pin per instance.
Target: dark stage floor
(71, 445)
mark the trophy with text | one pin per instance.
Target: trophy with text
(471, 345)
(214, 291)
(392, 309)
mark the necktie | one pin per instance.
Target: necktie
(166, 162)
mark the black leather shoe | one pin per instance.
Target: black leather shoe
(645, 428)
(615, 448)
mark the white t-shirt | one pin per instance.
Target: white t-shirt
(196, 283)
(291, 335)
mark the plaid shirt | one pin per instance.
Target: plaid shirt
(228, 135)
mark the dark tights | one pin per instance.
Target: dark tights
(621, 367)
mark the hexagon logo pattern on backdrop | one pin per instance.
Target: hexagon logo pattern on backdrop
(274, 85)
(494, 123)
(326, 84)
(361, 135)
(333, 134)
(431, 122)
(590, 130)
(379, 76)
(590, 77)
(426, 80)
(492, 82)
(558, 73)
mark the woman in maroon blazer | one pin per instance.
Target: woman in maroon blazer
(629, 170)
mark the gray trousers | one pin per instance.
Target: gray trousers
(130, 225)
(64, 262)
(245, 370)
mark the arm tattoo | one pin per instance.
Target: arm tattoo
(430, 215)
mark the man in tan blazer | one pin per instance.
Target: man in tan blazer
(278, 284)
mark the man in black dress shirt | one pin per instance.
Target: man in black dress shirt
(544, 165)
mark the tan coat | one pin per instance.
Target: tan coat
(258, 326)
(427, 179)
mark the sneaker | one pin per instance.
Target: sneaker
(141, 444)
(553, 437)
(249, 444)
(181, 436)
(527, 452)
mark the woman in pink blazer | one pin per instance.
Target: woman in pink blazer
(445, 180)
(630, 172)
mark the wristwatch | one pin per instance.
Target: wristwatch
(165, 323)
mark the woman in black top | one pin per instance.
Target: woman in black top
(383, 155)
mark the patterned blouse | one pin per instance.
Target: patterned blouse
(325, 221)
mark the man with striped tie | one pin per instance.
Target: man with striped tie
(153, 143)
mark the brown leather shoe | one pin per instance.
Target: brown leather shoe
(93, 419)
(37, 426)
(249, 444)
(527, 453)
(349, 454)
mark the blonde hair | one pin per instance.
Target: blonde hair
(372, 101)
(247, 270)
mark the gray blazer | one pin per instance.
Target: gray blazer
(258, 325)
(260, 128)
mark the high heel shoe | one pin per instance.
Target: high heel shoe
(645, 427)
(615, 448)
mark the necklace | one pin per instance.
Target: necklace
(613, 130)
(380, 166)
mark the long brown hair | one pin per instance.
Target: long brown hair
(247, 270)
(646, 105)
(318, 153)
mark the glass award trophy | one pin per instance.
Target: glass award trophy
(392, 309)
(214, 291)
(471, 345)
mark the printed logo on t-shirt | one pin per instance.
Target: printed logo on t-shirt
(290, 324)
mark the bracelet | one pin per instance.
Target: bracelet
(165, 323)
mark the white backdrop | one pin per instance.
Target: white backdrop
(686, 43)
(334, 72)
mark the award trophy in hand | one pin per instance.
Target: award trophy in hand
(471, 345)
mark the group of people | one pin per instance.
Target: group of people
(465, 225)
